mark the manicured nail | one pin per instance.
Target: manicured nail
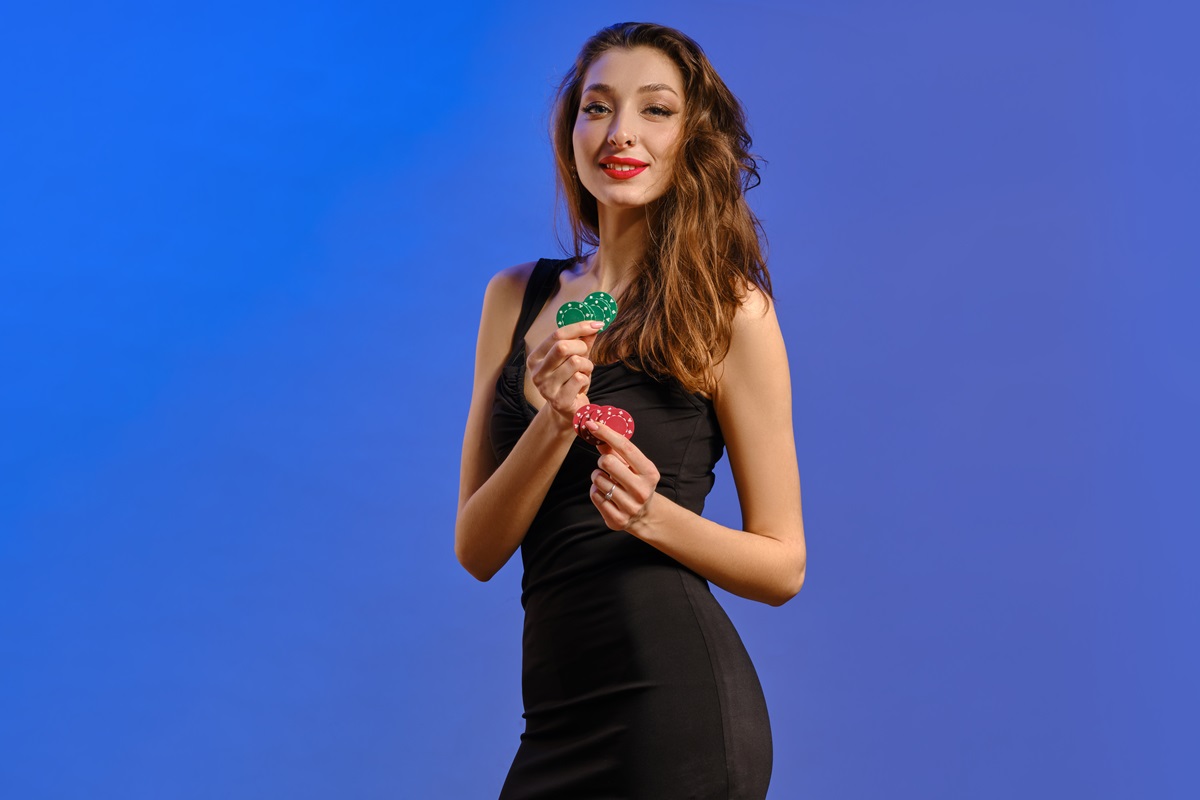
(597, 324)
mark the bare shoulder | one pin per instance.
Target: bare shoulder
(514, 277)
(509, 284)
(753, 321)
(756, 309)
(755, 343)
(502, 299)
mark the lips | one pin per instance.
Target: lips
(622, 169)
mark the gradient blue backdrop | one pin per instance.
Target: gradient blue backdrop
(243, 250)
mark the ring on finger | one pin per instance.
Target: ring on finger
(610, 491)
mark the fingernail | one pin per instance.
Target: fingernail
(597, 324)
(591, 424)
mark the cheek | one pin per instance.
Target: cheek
(669, 160)
(579, 138)
(673, 145)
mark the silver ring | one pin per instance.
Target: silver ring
(610, 491)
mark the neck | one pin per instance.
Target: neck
(623, 234)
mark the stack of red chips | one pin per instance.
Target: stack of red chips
(618, 419)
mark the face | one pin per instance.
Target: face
(632, 109)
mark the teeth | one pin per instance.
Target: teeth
(620, 167)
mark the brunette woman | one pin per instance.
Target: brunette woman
(635, 682)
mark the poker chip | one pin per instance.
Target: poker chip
(598, 306)
(571, 312)
(618, 419)
(605, 303)
(590, 411)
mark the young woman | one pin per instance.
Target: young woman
(635, 683)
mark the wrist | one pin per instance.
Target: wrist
(644, 526)
(562, 427)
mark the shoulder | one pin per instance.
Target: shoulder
(504, 293)
(755, 309)
(753, 320)
(755, 343)
(510, 282)
(499, 314)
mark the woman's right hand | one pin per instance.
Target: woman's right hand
(561, 370)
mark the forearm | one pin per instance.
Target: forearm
(494, 520)
(751, 565)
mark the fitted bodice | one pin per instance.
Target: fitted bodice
(676, 430)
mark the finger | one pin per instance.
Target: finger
(560, 350)
(579, 330)
(618, 471)
(579, 335)
(623, 447)
(608, 510)
(557, 341)
(603, 481)
(579, 363)
(569, 368)
(571, 378)
(598, 500)
(564, 382)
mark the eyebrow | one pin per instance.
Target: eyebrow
(649, 87)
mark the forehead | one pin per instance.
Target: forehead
(627, 69)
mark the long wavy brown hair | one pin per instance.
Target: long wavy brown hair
(703, 249)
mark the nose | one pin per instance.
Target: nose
(621, 134)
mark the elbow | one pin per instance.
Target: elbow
(483, 576)
(475, 570)
(793, 586)
(463, 554)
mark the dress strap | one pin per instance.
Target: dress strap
(543, 280)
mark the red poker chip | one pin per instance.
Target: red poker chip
(590, 411)
(588, 436)
(585, 412)
(618, 419)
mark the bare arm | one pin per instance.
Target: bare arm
(767, 560)
(497, 502)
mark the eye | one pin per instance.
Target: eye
(660, 111)
(594, 108)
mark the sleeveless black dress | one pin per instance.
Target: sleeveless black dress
(634, 680)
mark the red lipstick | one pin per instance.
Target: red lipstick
(638, 167)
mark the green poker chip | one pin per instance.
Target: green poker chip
(598, 306)
(605, 303)
(572, 312)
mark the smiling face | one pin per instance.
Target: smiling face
(631, 109)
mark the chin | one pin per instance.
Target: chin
(626, 200)
(624, 203)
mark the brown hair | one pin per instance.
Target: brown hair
(703, 249)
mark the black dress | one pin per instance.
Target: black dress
(635, 682)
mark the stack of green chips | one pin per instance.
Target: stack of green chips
(598, 306)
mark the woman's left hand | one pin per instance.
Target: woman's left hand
(627, 473)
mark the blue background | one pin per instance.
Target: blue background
(242, 254)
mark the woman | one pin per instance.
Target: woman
(635, 683)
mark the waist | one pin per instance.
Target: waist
(589, 560)
(617, 629)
